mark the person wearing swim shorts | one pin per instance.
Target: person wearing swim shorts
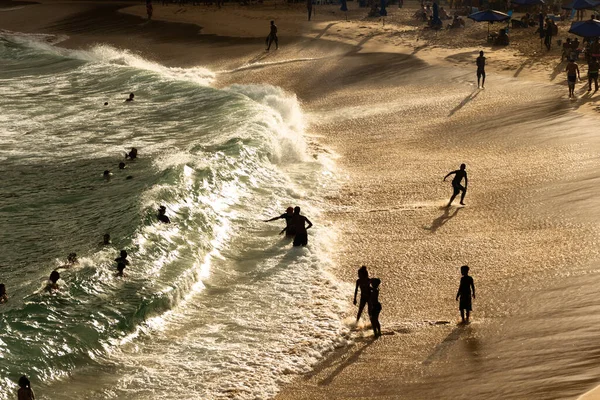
(572, 75)
(480, 69)
(459, 174)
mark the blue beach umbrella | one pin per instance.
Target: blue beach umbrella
(382, 10)
(344, 7)
(489, 16)
(589, 28)
(582, 4)
(528, 2)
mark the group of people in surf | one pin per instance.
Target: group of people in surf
(296, 226)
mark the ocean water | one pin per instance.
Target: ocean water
(214, 305)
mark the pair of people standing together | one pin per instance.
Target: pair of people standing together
(295, 226)
(369, 296)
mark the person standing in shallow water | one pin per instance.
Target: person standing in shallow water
(298, 224)
(289, 213)
(364, 283)
(480, 70)
(459, 174)
(375, 307)
(272, 37)
(25, 391)
(464, 293)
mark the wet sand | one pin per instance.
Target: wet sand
(397, 119)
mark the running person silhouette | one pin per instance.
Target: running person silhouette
(459, 174)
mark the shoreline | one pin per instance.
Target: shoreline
(388, 206)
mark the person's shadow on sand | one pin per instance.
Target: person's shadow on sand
(442, 219)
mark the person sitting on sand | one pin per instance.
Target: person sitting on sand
(375, 307)
(3, 295)
(25, 392)
(132, 154)
(122, 258)
(502, 38)
(131, 96)
(457, 22)
(572, 76)
(162, 215)
(364, 283)
(120, 269)
(459, 174)
(289, 213)
(298, 224)
(272, 37)
(444, 14)
(421, 14)
(52, 284)
(464, 293)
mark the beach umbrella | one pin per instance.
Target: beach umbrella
(582, 5)
(382, 10)
(528, 2)
(589, 28)
(489, 16)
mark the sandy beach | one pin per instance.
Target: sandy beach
(398, 108)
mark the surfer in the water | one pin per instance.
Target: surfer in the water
(289, 213)
(364, 283)
(464, 293)
(162, 217)
(130, 98)
(132, 154)
(52, 281)
(298, 224)
(459, 174)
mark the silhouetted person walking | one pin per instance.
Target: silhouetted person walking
(593, 68)
(480, 70)
(309, 7)
(459, 174)
(298, 224)
(375, 307)
(364, 283)
(289, 213)
(25, 391)
(572, 75)
(272, 37)
(464, 293)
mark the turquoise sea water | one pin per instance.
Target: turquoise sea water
(215, 304)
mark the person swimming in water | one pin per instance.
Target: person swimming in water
(25, 392)
(162, 217)
(106, 239)
(52, 281)
(131, 96)
(106, 174)
(298, 224)
(122, 258)
(121, 165)
(459, 174)
(289, 213)
(364, 283)
(132, 154)
(3, 295)
(120, 269)
(72, 259)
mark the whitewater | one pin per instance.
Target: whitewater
(215, 304)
